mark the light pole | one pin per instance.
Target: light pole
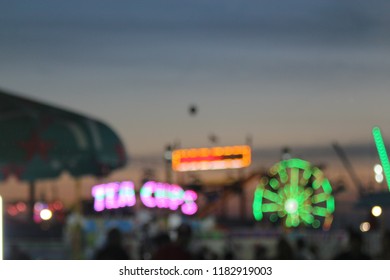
(1, 229)
(168, 162)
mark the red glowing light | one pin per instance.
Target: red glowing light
(21, 206)
(211, 158)
(12, 211)
(57, 205)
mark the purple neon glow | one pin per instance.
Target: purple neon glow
(111, 198)
(163, 195)
(153, 194)
(113, 195)
(126, 195)
(189, 207)
(38, 207)
(98, 192)
(146, 194)
(176, 197)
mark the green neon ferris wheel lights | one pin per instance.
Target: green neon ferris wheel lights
(380, 145)
(297, 193)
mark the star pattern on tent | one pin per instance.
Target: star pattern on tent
(36, 146)
(12, 169)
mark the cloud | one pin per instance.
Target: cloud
(316, 20)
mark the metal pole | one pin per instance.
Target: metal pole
(1, 230)
(31, 200)
(77, 253)
(348, 166)
(168, 162)
(243, 201)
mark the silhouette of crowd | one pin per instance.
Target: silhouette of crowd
(176, 245)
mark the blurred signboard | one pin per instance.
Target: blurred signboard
(153, 194)
(214, 158)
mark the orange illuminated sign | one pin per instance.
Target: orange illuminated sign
(211, 158)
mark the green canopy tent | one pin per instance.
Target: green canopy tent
(39, 141)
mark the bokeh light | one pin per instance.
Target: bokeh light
(379, 178)
(46, 214)
(380, 145)
(291, 206)
(365, 226)
(376, 211)
(378, 168)
(297, 192)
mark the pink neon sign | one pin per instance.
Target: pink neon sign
(113, 195)
(152, 194)
(163, 195)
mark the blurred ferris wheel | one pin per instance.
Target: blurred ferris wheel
(295, 193)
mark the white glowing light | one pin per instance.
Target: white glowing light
(168, 155)
(376, 211)
(45, 214)
(379, 178)
(291, 206)
(378, 169)
(364, 227)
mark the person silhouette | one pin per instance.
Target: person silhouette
(355, 248)
(284, 250)
(384, 253)
(113, 248)
(177, 250)
(302, 251)
(16, 253)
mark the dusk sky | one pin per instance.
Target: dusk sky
(289, 73)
